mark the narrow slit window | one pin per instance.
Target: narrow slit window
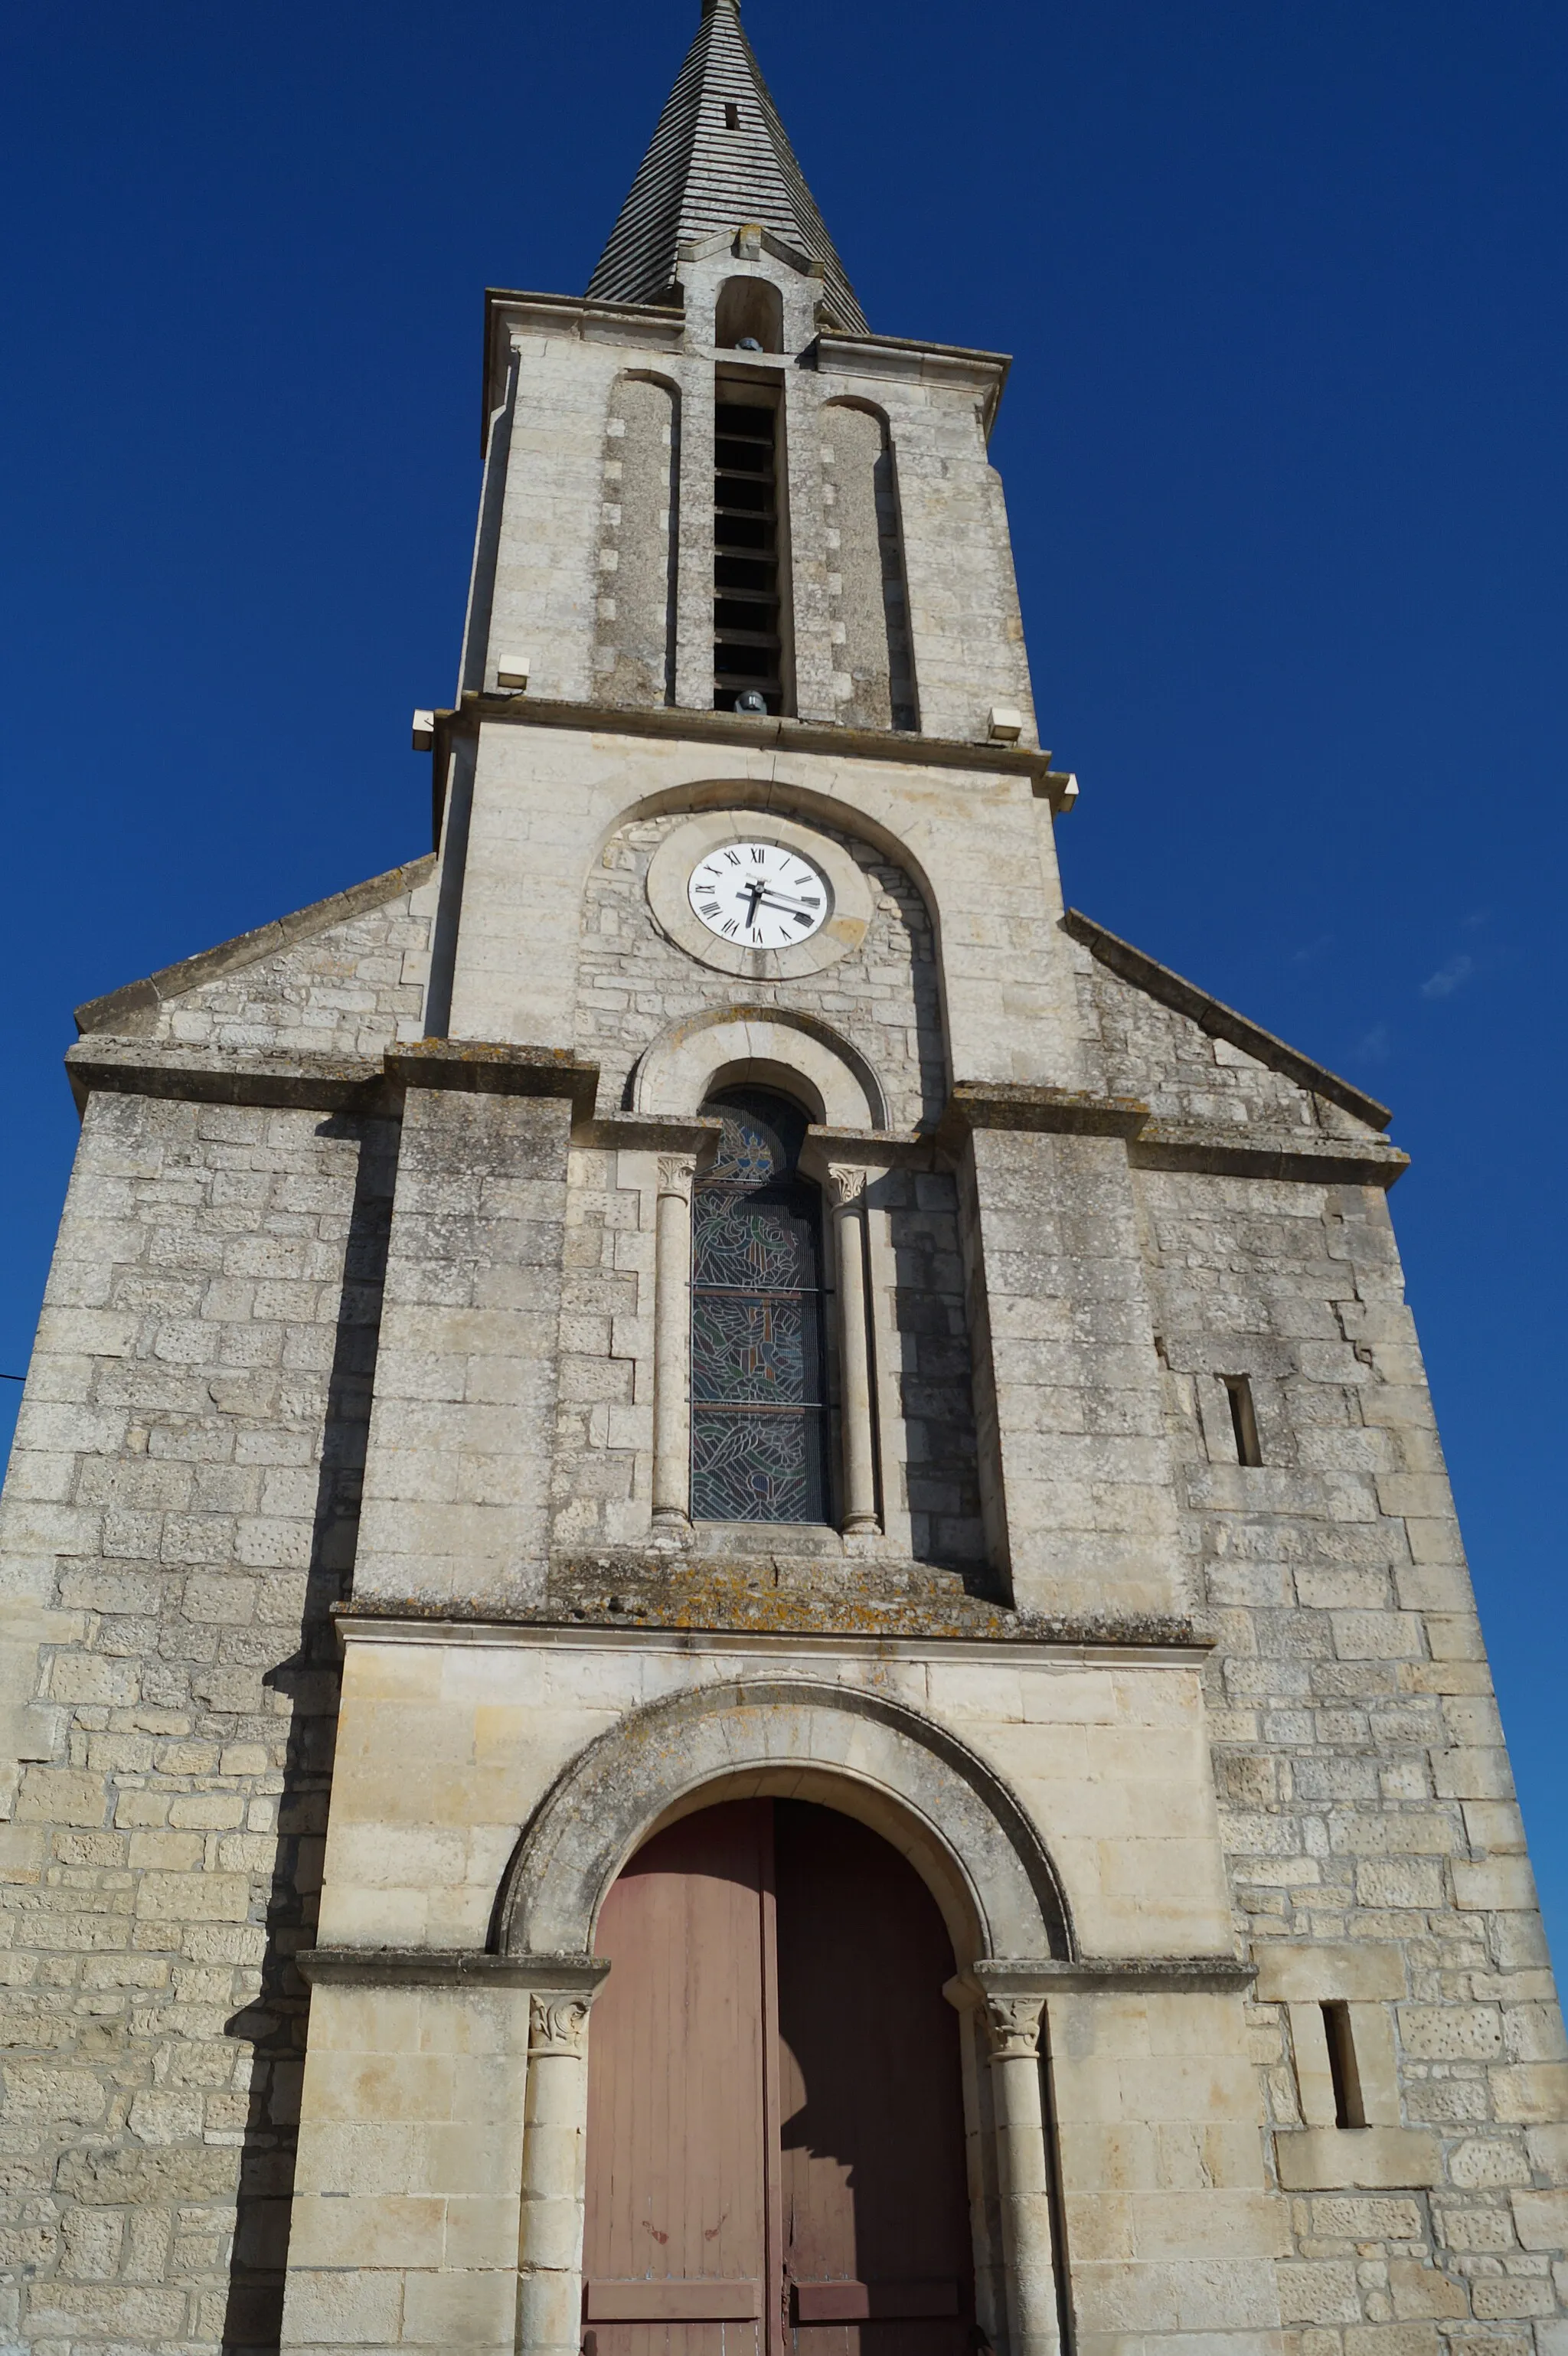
(1349, 2111)
(732, 116)
(1243, 1419)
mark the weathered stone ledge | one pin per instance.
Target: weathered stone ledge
(448, 1967)
(1214, 1147)
(369, 1084)
(514, 708)
(997, 1104)
(362, 1083)
(785, 1598)
(1299, 1154)
(1087, 1975)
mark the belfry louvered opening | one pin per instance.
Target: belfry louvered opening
(749, 639)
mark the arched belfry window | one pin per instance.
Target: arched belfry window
(759, 1437)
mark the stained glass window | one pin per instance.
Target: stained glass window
(758, 1412)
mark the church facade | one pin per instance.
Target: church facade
(733, 1623)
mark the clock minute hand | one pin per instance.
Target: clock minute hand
(782, 899)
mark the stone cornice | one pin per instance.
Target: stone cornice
(738, 731)
(449, 1967)
(898, 360)
(1220, 1147)
(1048, 1976)
(377, 1085)
(1003, 1104)
(637, 1597)
(647, 1132)
(1301, 1154)
(661, 328)
(493, 1069)
(362, 1083)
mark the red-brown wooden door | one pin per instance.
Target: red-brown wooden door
(775, 2137)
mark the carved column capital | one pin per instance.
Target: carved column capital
(1014, 2023)
(845, 1185)
(559, 2023)
(676, 1172)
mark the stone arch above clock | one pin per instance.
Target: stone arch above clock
(871, 973)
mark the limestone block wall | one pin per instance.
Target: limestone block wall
(410, 2185)
(1076, 1474)
(1172, 2231)
(543, 595)
(543, 571)
(345, 978)
(1375, 1849)
(179, 1516)
(1109, 1761)
(884, 997)
(875, 682)
(1134, 1047)
(546, 801)
(458, 1468)
(635, 614)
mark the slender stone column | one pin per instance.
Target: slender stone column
(1028, 2254)
(846, 1200)
(555, 2131)
(672, 1341)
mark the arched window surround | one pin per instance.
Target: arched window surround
(806, 1063)
(758, 1296)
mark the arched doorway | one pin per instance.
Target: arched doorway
(775, 2133)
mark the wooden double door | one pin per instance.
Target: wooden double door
(776, 2122)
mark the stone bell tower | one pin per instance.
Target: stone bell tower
(733, 1620)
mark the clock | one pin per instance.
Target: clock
(759, 895)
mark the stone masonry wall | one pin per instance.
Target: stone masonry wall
(180, 1516)
(634, 648)
(354, 989)
(1367, 1806)
(634, 983)
(1133, 1046)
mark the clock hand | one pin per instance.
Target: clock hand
(781, 899)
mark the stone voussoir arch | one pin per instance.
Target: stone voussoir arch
(768, 1044)
(783, 794)
(861, 1751)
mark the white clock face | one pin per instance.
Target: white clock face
(759, 895)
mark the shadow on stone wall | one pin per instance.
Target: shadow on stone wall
(274, 2024)
(937, 1380)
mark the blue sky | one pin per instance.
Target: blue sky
(1284, 456)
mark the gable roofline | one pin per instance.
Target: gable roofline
(1220, 1021)
(107, 1013)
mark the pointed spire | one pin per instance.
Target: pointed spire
(719, 158)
